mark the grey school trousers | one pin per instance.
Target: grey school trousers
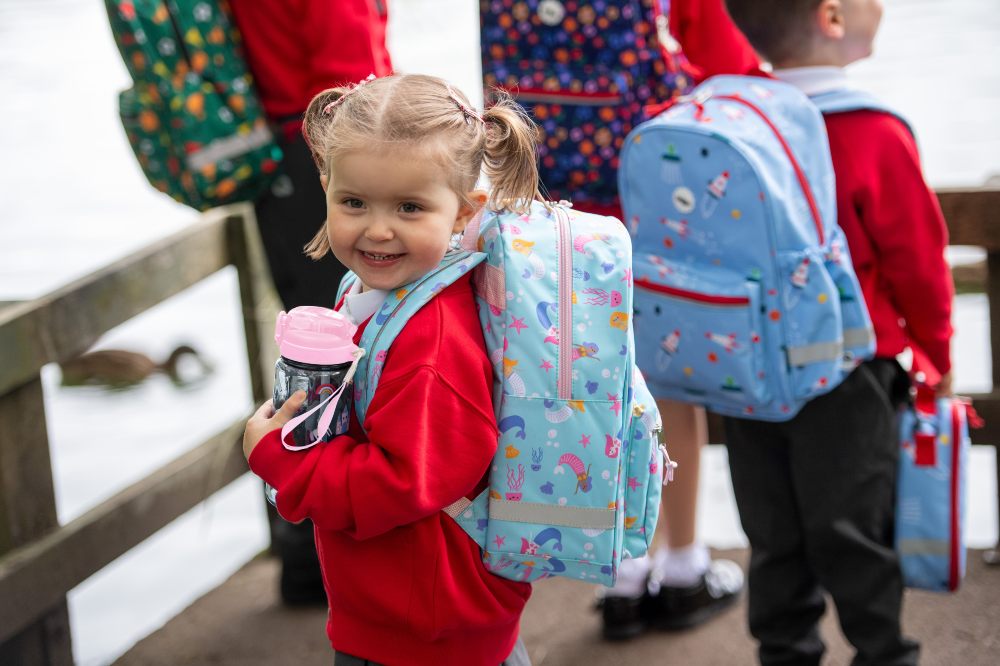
(518, 657)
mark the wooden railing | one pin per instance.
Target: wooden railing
(40, 560)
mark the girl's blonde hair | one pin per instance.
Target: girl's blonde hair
(414, 110)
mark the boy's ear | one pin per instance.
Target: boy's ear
(830, 19)
(468, 210)
(324, 180)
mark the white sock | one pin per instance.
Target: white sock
(681, 567)
(631, 581)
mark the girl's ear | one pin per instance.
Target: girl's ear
(830, 19)
(324, 180)
(473, 203)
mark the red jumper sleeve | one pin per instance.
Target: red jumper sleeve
(430, 444)
(908, 231)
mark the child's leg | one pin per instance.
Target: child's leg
(845, 479)
(784, 597)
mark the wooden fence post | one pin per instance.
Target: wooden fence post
(28, 511)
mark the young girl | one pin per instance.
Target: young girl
(399, 159)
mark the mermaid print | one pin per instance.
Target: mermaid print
(583, 479)
(537, 266)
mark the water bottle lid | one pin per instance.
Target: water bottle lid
(315, 335)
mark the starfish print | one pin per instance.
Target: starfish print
(546, 365)
(633, 483)
(628, 277)
(499, 540)
(517, 323)
(585, 440)
(616, 404)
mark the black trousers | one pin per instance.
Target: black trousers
(816, 498)
(288, 216)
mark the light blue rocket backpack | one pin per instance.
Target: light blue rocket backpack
(931, 491)
(576, 481)
(746, 300)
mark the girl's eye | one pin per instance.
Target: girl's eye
(409, 208)
(354, 203)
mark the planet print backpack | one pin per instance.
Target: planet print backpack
(192, 116)
(584, 70)
(576, 480)
(746, 298)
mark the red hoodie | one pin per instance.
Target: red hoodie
(896, 233)
(406, 585)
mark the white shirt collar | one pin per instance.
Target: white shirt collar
(814, 80)
(359, 306)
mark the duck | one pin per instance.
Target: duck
(120, 368)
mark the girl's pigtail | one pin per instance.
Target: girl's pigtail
(509, 156)
(315, 130)
(316, 123)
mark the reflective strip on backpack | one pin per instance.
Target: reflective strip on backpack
(549, 514)
(229, 147)
(858, 337)
(936, 547)
(828, 351)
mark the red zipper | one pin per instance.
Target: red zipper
(813, 208)
(698, 297)
(956, 446)
(564, 96)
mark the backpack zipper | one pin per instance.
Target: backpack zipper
(565, 386)
(799, 174)
(695, 296)
(541, 96)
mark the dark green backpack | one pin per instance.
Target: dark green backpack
(192, 116)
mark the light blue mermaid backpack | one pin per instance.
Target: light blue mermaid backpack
(576, 481)
(746, 300)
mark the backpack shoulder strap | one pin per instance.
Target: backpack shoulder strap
(399, 306)
(345, 284)
(844, 100)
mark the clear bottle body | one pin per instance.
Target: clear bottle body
(319, 382)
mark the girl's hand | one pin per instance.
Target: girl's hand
(265, 419)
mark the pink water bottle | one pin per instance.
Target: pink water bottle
(318, 356)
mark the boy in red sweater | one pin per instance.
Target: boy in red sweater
(816, 493)
(399, 158)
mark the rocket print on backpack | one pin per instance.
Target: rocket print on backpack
(746, 298)
(576, 481)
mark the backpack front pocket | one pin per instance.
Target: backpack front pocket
(812, 323)
(698, 334)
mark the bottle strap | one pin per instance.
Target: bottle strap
(326, 417)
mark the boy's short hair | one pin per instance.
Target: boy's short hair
(777, 29)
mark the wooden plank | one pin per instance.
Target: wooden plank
(27, 512)
(35, 576)
(68, 321)
(259, 301)
(973, 215)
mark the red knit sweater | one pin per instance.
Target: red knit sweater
(895, 232)
(297, 48)
(405, 584)
(710, 39)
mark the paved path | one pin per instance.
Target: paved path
(242, 623)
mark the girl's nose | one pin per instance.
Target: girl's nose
(379, 230)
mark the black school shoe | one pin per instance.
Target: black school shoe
(674, 608)
(622, 617)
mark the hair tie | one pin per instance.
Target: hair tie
(337, 102)
(466, 111)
